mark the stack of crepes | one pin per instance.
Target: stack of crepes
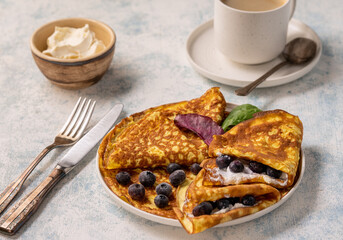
(272, 138)
(150, 140)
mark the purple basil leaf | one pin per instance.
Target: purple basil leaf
(203, 126)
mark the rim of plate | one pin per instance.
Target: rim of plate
(173, 222)
(270, 82)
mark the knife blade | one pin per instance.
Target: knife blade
(14, 218)
(87, 142)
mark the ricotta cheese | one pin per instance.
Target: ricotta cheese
(73, 43)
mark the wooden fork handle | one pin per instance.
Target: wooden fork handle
(11, 222)
(12, 190)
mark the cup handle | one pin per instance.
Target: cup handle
(293, 4)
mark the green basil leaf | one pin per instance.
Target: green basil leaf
(239, 114)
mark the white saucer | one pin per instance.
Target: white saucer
(210, 63)
(172, 222)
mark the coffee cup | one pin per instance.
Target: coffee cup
(251, 31)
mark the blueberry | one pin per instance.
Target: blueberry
(173, 167)
(223, 161)
(257, 167)
(223, 203)
(204, 208)
(195, 168)
(136, 191)
(214, 204)
(234, 200)
(236, 166)
(177, 177)
(147, 178)
(161, 201)
(164, 188)
(273, 172)
(123, 178)
(248, 200)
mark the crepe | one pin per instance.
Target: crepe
(150, 138)
(190, 194)
(272, 138)
(147, 204)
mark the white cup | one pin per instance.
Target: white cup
(251, 37)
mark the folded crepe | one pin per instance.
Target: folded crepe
(151, 139)
(272, 138)
(147, 204)
(191, 194)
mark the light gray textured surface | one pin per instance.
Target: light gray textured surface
(150, 68)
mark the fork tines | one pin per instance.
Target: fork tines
(79, 118)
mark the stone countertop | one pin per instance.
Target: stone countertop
(150, 68)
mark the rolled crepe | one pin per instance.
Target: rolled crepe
(191, 194)
(272, 138)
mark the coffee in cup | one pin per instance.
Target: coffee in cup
(254, 5)
(250, 33)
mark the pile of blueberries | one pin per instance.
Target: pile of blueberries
(206, 208)
(235, 165)
(147, 179)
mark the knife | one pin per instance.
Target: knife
(11, 222)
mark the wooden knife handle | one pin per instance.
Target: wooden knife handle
(15, 217)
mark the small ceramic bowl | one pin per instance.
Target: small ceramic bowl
(73, 73)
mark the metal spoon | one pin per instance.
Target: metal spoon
(297, 51)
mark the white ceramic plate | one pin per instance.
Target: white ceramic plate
(173, 222)
(210, 63)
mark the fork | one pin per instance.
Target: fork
(70, 133)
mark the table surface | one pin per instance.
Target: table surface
(150, 68)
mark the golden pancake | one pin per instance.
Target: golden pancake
(191, 194)
(148, 140)
(272, 138)
(147, 204)
(151, 139)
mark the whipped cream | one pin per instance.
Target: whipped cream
(73, 43)
(235, 178)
